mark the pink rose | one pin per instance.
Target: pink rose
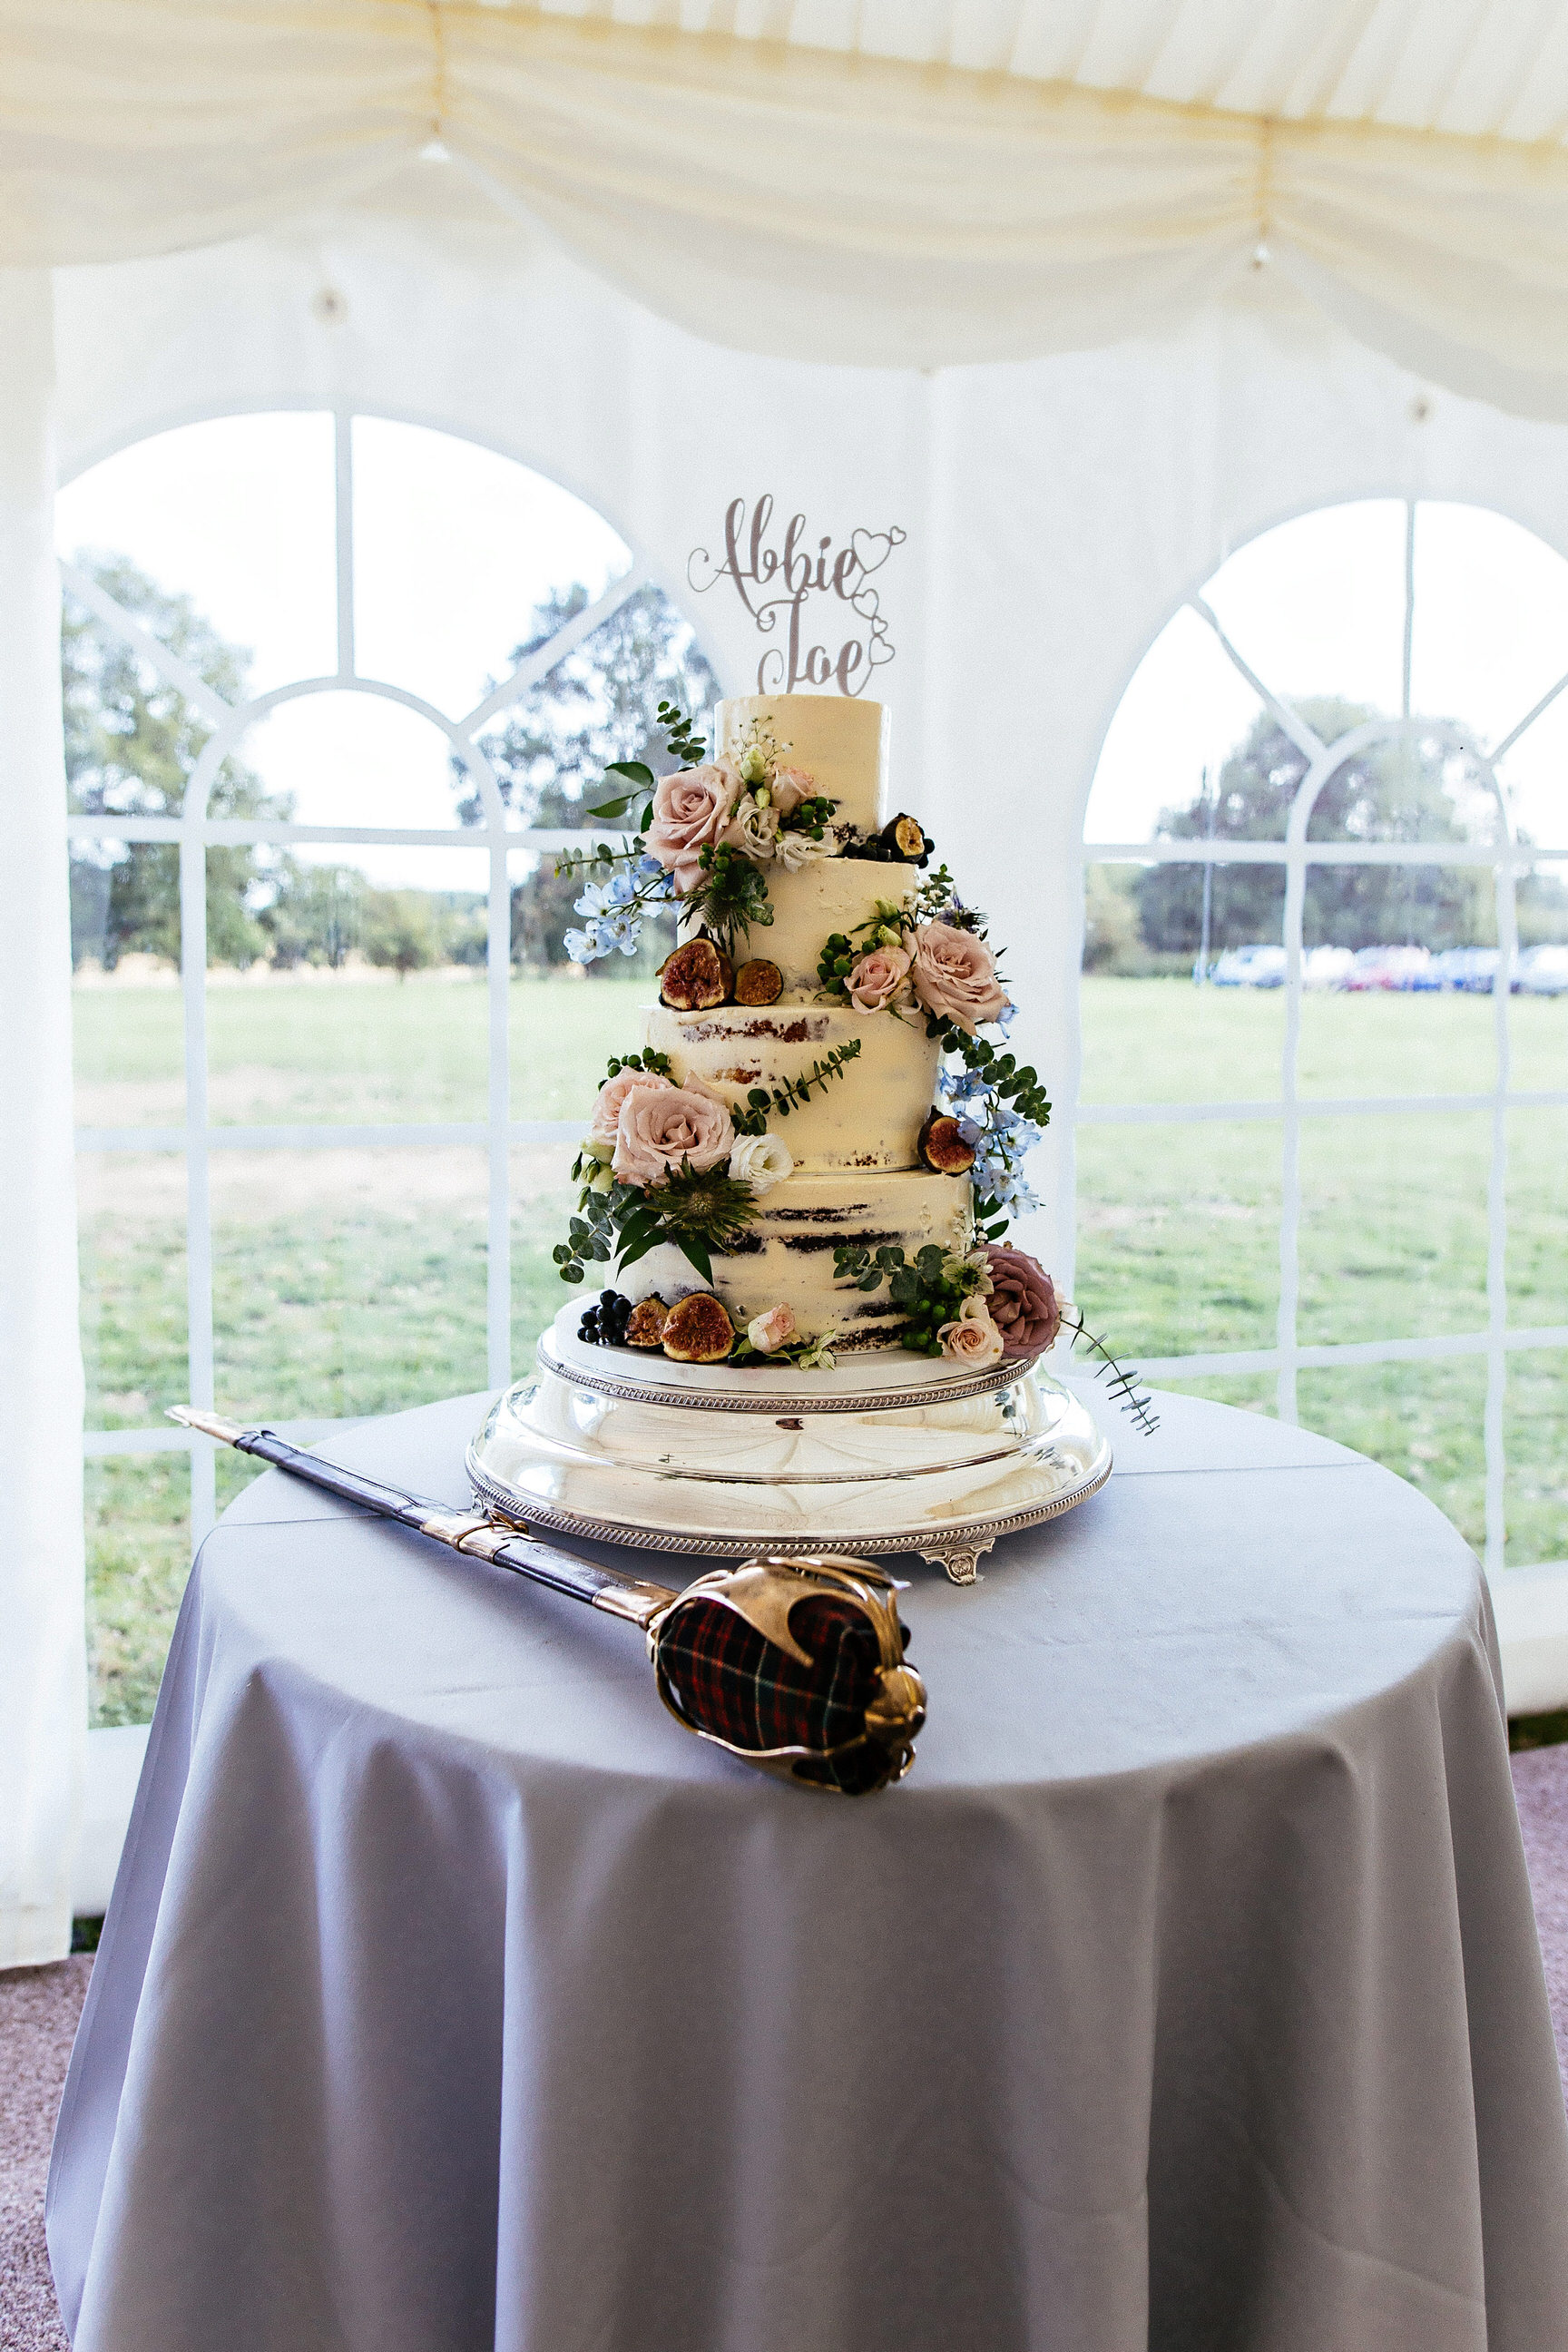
(973, 1340)
(1023, 1301)
(611, 1094)
(660, 1127)
(880, 978)
(955, 976)
(790, 786)
(690, 811)
(774, 1329)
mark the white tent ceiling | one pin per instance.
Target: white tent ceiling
(895, 185)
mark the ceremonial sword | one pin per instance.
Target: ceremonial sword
(795, 1666)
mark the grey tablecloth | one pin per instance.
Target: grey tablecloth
(1187, 1996)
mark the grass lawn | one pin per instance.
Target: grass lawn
(353, 1281)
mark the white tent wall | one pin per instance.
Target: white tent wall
(1058, 509)
(43, 1699)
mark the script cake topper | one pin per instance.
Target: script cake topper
(775, 582)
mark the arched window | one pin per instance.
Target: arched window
(1322, 1143)
(334, 686)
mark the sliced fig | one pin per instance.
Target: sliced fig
(942, 1147)
(698, 1331)
(646, 1327)
(759, 983)
(696, 978)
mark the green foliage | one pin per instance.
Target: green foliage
(660, 1063)
(931, 1286)
(782, 1100)
(697, 1210)
(132, 743)
(1425, 791)
(732, 896)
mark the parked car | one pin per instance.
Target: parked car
(1472, 970)
(1401, 968)
(1542, 971)
(1326, 967)
(1252, 967)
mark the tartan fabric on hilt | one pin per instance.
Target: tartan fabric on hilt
(724, 1677)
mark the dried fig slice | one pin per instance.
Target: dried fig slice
(698, 1331)
(759, 983)
(696, 978)
(942, 1147)
(646, 1328)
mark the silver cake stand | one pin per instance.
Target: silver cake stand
(891, 1451)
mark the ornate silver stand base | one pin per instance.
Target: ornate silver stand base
(890, 1452)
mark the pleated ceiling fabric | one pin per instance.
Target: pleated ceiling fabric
(1017, 181)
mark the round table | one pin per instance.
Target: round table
(1186, 1994)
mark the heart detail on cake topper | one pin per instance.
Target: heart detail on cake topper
(871, 548)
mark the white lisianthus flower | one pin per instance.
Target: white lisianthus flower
(752, 765)
(795, 850)
(760, 1161)
(819, 1357)
(754, 831)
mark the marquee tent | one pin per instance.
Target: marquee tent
(1079, 296)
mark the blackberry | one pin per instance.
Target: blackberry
(615, 1315)
(589, 1327)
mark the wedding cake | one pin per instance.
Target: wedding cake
(815, 1146)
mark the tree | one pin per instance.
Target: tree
(595, 706)
(399, 930)
(132, 743)
(1425, 788)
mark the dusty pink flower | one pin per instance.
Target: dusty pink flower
(790, 786)
(774, 1329)
(690, 811)
(974, 1339)
(611, 1094)
(660, 1127)
(955, 976)
(1023, 1301)
(880, 978)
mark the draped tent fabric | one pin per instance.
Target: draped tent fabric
(866, 182)
(43, 1705)
(873, 209)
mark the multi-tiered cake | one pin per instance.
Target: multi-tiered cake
(813, 1145)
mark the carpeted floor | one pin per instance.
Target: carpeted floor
(1541, 1790)
(39, 2008)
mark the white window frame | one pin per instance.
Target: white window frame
(195, 832)
(1507, 861)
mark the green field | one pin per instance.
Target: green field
(352, 1281)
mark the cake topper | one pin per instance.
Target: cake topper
(776, 582)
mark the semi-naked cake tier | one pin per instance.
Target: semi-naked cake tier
(858, 1177)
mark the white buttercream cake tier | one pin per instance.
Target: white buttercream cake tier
(788, 1256)
(841, 743)
(868, 1115)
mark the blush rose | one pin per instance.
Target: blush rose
(660, 1128)
(974, 1339)
(880, 978)
(772, 1330)
(690, 809)
(611, 1094)
(955, 977)
(1023, 1301)
(790, 786)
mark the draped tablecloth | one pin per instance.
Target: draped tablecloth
(1187, 1994)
